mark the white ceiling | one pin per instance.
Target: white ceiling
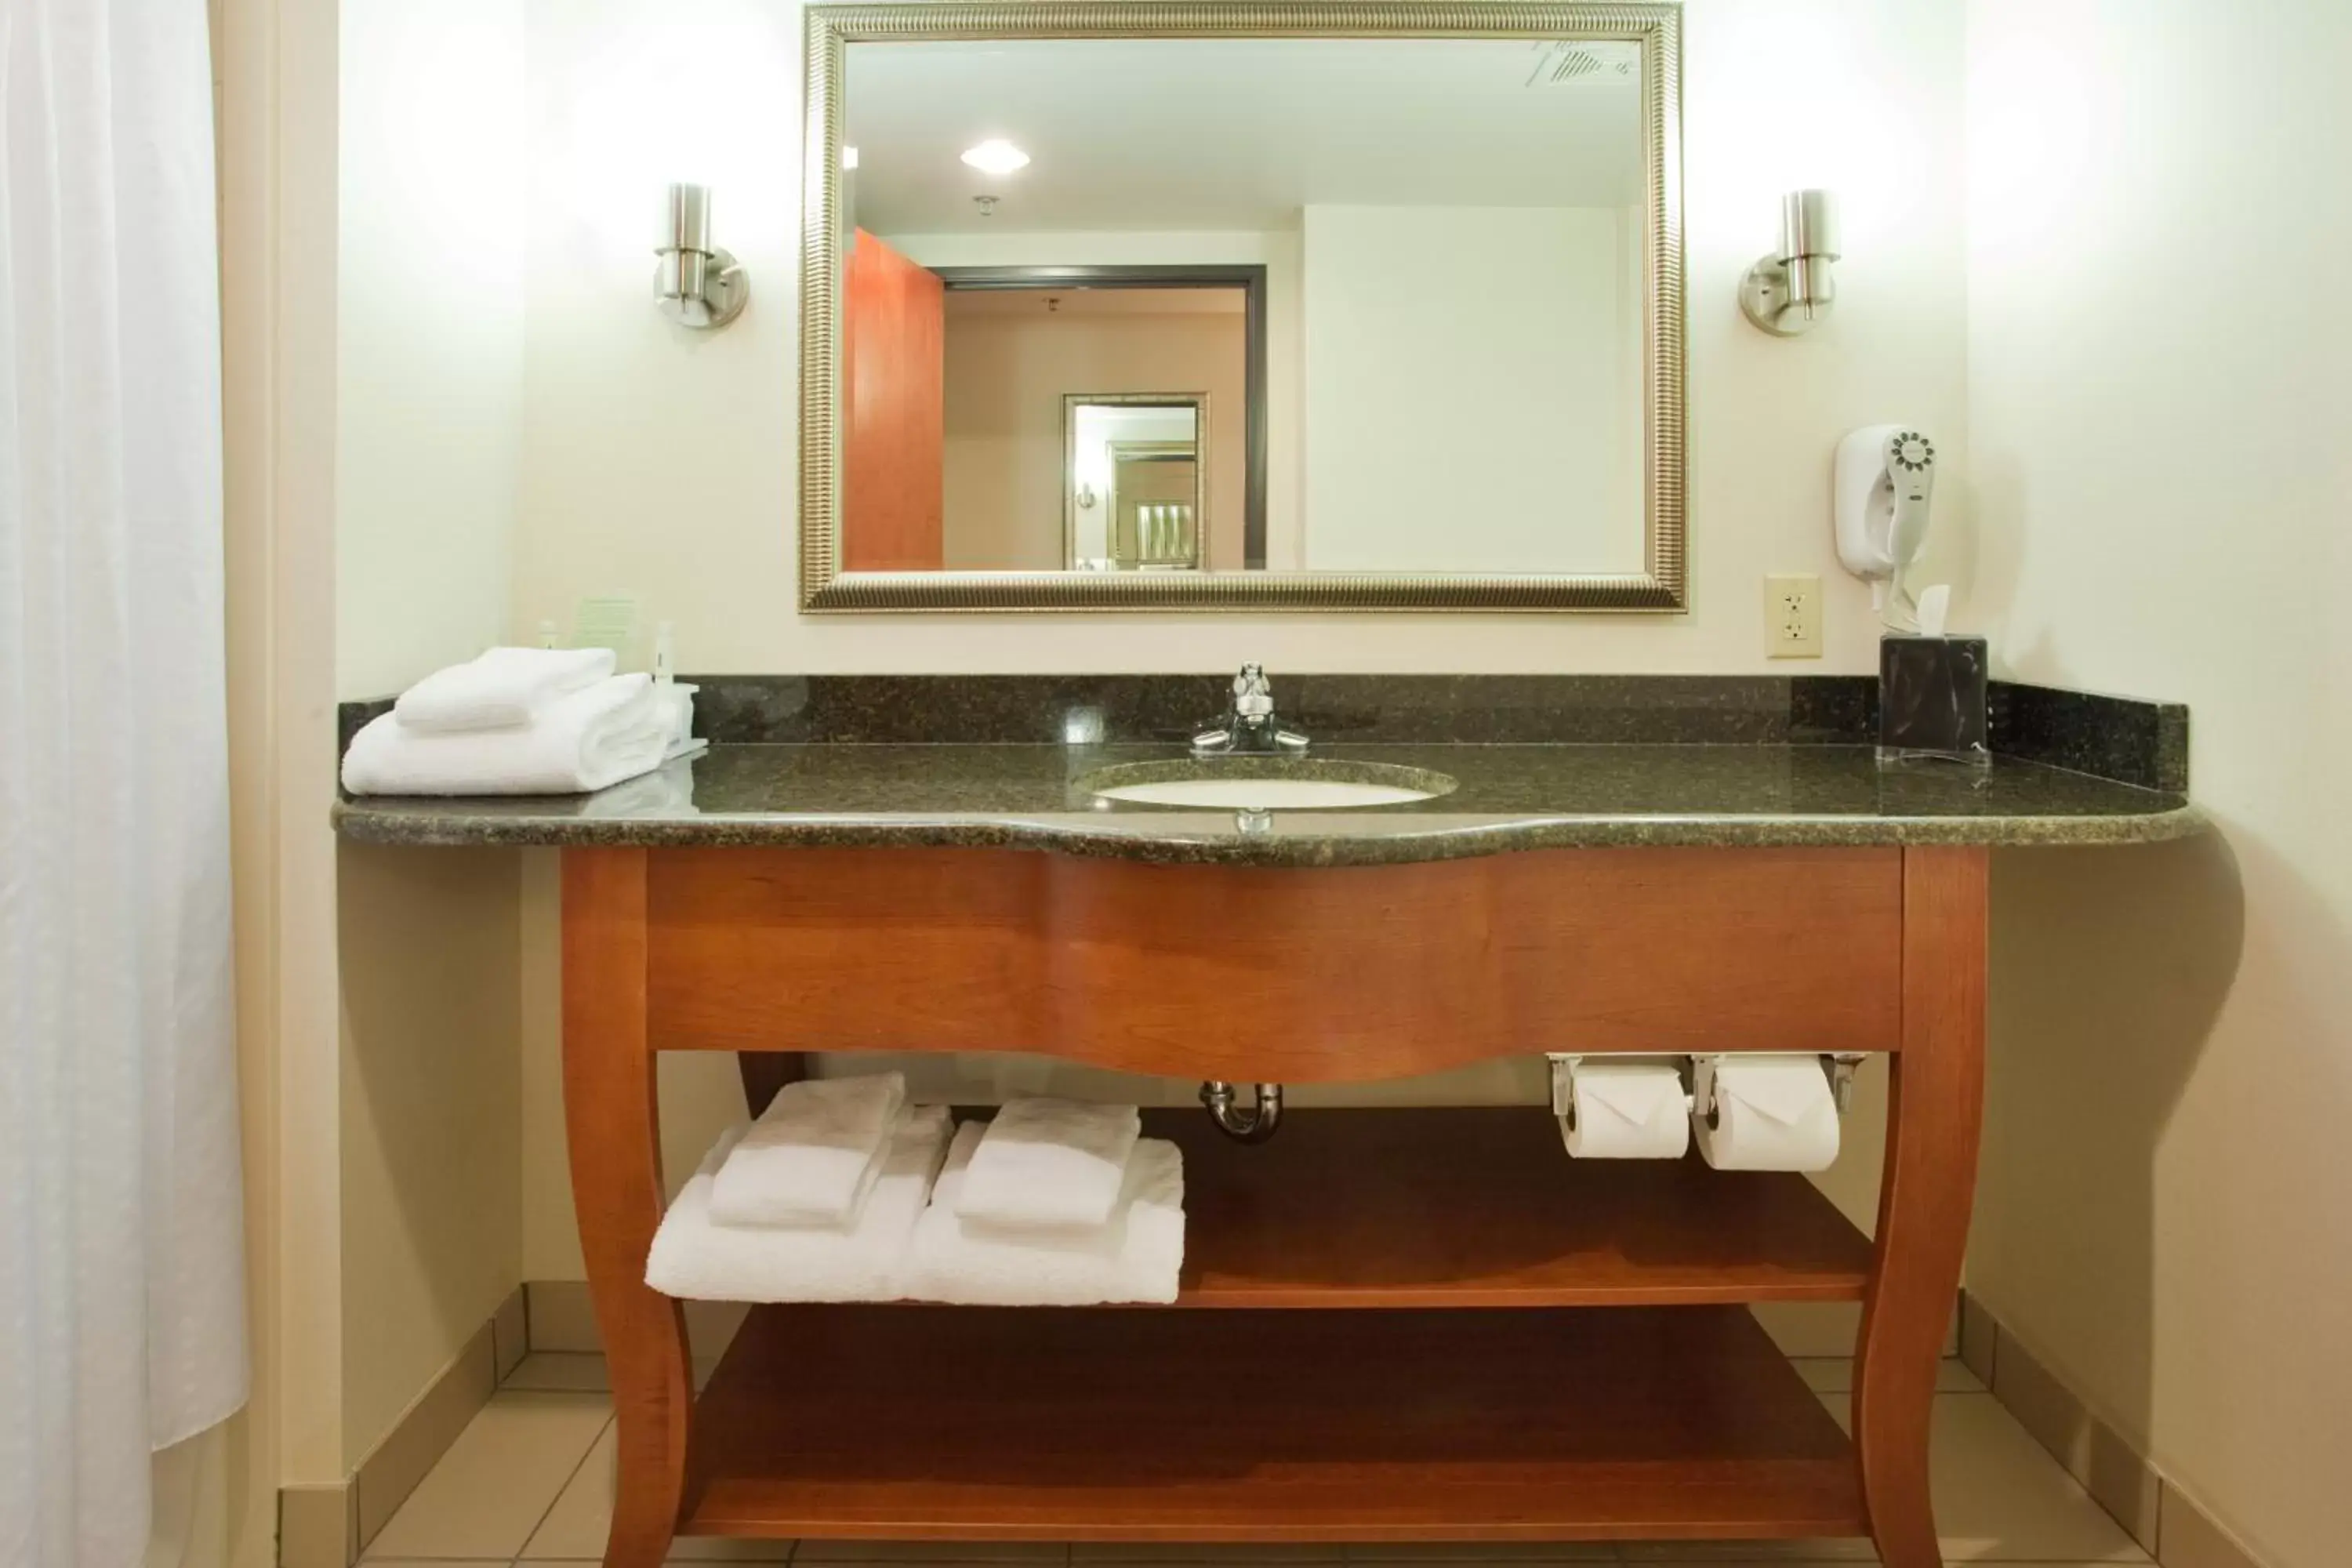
(1231, 133)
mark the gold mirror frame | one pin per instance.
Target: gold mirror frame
(827, 589)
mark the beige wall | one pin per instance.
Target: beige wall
(2163, 467)
(432, 1113)
(1005, 379)
(429, 323)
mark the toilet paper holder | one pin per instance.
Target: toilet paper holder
(1839, 1064)
(1563, 1083)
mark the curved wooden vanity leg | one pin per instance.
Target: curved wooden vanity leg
(765, 1073)
(612, 1118)
(1929, 1186)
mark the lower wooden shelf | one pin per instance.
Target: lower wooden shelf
(1481, 1207)
(984, 1424)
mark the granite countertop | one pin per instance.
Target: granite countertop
(1505, 796)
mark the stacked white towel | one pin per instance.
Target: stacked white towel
(501, 688)
(696, 1256)
(515, 722)
(1056, 1163)
(1136, 1254)
(813, 1154)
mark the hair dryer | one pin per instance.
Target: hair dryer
(1880, 487)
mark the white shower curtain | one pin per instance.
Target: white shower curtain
(122, 1294)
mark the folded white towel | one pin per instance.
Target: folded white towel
(501, 690)
(581, 741)
(696, 1258)
(1050, 1162)
(1135, 1258)
(812, 1154)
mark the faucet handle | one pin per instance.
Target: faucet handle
(1213, 742)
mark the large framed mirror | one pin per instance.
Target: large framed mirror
(1295, 306)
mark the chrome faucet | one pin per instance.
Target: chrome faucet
(1249, 727)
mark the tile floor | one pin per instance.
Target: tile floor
(530, 1480)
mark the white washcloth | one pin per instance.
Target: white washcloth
(503, 688)
(696, 1258)
(581, 741)
(812, 1153)
(1050, 1162)
(1136, 1257)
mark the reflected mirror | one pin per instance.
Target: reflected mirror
(1144, 316)
(1135, 495)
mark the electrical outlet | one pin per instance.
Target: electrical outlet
(1793, 616)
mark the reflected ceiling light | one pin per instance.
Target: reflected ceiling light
(849, 157)
(995, 157)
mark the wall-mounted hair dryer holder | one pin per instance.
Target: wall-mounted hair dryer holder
(1881, 483)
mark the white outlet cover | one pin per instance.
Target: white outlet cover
(1793, 616)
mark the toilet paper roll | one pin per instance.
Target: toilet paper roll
(1771, 1113)
(1628, 1111)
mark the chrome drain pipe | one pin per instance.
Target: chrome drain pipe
(1255, 1125)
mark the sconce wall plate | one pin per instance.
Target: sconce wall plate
(1788, 291)
(726, 290)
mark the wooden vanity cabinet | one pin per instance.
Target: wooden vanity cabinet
(1404, 1325)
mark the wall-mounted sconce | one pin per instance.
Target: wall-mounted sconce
(698, 285)
(1791, 290)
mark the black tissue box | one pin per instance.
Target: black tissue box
(1932, 699)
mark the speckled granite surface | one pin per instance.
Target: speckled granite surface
(966, 709)
(1505, 797)
(2120, 738)
(2133, 741)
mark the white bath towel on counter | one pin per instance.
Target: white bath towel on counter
(1135, 1258)
(812, 1153)
(582, 742)
(502, 689)
(1058, 1163)
(696, 1259)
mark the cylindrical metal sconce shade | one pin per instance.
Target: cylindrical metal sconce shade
(696, 284)
(685, 221)
(1791, 290)
(1809, 226)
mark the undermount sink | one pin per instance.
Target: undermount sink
(1266, 784)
